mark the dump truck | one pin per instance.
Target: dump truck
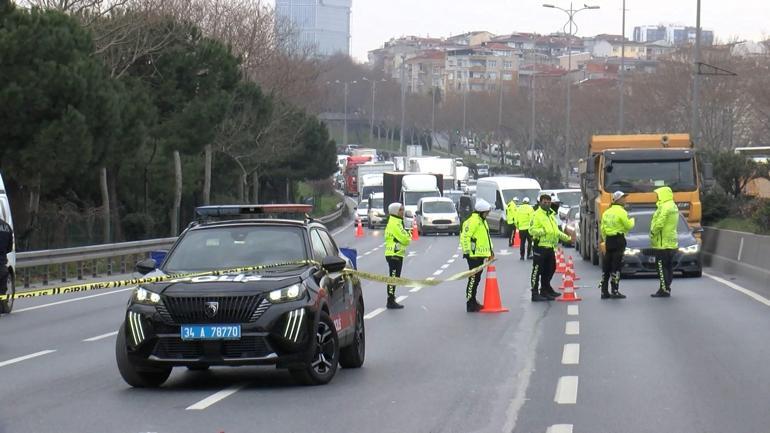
(636, 165)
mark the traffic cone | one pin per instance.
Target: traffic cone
(567, 282)
(516, 240)
(569, 295)
(359, 229)
(492, 303)
(571, 268)
(560, 266)
(415, 234)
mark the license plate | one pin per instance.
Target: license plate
(651, 259)
(211, 332)
(442, 226)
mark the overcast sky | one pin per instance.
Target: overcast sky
(375, 21)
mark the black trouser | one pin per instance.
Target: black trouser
(543, 268)
(395, 263)
(473, 280)
(525, 240)
(613, 262)
(3, 277)
(664, 261)
(512, 233)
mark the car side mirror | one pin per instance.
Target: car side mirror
(333, 264)
(146, 266)
(697, 230)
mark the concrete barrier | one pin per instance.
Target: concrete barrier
(737, 252)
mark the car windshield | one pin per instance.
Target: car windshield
(375, 203)
(642, 223)
(646, 176)
(411, 198)
(571, 198)
(364, 204)
(438, 207)
(573, 213)
(232, 247)
(510, 194)
(455, 196)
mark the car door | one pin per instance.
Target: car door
(332, 282)
(346, 285)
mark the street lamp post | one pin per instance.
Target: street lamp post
(571, 12)
(403, 104)
(621, 109)
(345, 87)
(695, 119)
(374, 90)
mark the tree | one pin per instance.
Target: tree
(734, 171)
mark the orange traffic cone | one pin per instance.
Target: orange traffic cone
(516, 240)
(492, 303)
(415, 234)
(567, 282)
(560, 266)
(571, 268)
(359, 230)
(569, 295)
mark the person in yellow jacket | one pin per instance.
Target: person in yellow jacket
(477, 247)
(615, 225)
(510, 218)
(664, 239)
(546, 236)
(523, 220)
(396, 241)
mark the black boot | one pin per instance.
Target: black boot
(392, 304)
(606, 294)
(472, 306)
(617, 295)
(551, 293)
(537, 297)
(661, 294)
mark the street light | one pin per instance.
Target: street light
(374, 90)
(345, 122)
(571, 12)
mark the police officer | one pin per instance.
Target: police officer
(510, 217)
(615, 226)
(477, 247)
(6, 246)
(523, 220)
(663, 239)
(396, 241)
(546, 235)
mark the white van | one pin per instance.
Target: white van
(5, 213)
(498, 191)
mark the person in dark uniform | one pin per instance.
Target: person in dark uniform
(546, 236)
(396, 241)
(6, 247)
(614, 228)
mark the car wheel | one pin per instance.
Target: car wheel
(145, 377)
(696, 274)
(6, 305)
(353, 355)
(326, 353)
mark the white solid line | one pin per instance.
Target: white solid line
(99, 337)
(25, 357)
(214, 398)
(445, 266)
(374, 313)
(401, 298)
(560, 428)
(759, 298)
(67, 301)
(572, 310)
(571, 354)
(566, 390)
(572, 328)
(439, 272)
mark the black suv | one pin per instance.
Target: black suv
(303, 315)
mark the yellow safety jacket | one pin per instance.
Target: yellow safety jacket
(524, 216)
(615, 221)
(474, 237)
(544, 230)
(510, 213)
(396, 237)
(664, 221)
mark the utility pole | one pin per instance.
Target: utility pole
(695, 120)
(621, 114)
(345, 131)
(403, 104)
(371, 122)
(465, 99)
(433, 116)
(532, 126)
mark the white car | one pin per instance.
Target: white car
(362, 211)
(376, 212)
(437, 215)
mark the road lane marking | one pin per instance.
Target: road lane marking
(454, 256)
(572, 310)
(445, 266)
(755, 296)
(358, 257)
(450, 261)
(572, 328)
(571, 354)
(26, 357)
(99, 337)
(67, 301)
(439, 272)
(401, 298)
(415, 290)
(214, 398)
(374, 313)
(560, 428)
(566, 390)
(367, 253)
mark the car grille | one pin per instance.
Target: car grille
(249, 346)
(442, 222)
(232, 309)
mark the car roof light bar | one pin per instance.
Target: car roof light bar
(262, 209)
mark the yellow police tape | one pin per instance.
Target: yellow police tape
(399, 281)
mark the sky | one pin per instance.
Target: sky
(374, 22)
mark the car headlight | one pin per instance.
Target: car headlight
(692, 249)
(145, 297)
(286, 294)
(631, 251)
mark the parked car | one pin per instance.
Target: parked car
(437, 215)
(639, 259)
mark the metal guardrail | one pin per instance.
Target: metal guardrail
(117, 258)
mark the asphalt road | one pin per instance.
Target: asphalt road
(693, 363)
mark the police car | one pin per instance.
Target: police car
(297, 312)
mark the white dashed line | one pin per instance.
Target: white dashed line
(358, 257)
(566, 390)
(401, 298)
(450, 261)
(25, 357)
(67, 301)
(214, 398)
(560, 428)
(430, 278)
(100, 337)
(439, 272)
(571, 354)
(454, 256)
(572, 310)
(572, 328)
(759, 298)
(444, 266)
(367, 253)
(415, 290)
(374, 313)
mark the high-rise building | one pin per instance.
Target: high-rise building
(323, 25)
(673, 34)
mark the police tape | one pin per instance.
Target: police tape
(369, 276)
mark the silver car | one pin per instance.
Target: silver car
(437, 215)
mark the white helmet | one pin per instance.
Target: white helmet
(393, 208)
(526, 200)
(515, 199)
(482, 206)
(617, 195)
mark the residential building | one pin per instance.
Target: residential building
(674, 34)
(389, 57)
(649, 33)
(425, 71)
(479, 68)
(612, 46)
(659, 49)
(471, 39)
(323, 25)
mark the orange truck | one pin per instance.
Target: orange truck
(636, 165)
